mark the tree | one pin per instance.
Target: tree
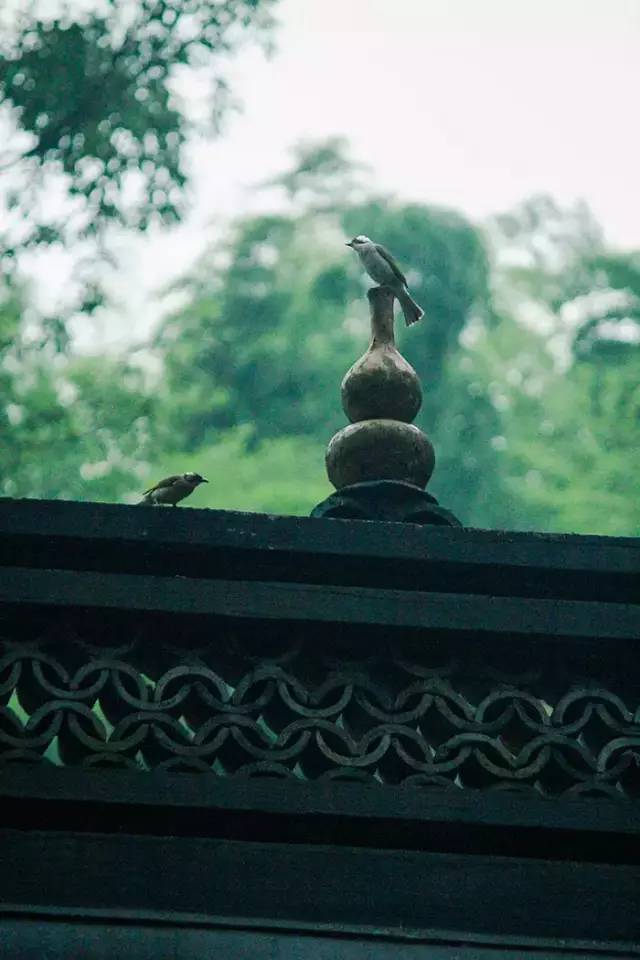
(569, 372)
(263, 343)
(572, 447)
(90, 103)
(91, 115)
(70, 427)
(610, 325)
(323, 176)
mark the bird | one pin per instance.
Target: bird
(382, 268)
(172, 490)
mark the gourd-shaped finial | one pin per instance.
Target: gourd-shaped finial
(381, 383)
(381, 395)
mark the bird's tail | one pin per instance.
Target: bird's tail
(412, 312)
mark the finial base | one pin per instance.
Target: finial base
(393, 501)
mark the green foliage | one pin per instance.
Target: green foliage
(263, 342)
(614, 321)
(530, 366)
(284, 475)
(95, 93)
(576, 453)
(74, 428)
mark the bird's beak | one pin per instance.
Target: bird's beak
(348, 243)
(204, 480)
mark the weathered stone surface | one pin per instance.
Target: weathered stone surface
(379, 450)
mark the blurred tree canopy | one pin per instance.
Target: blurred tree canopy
(529, 355)
(90, 107)
(71, 427)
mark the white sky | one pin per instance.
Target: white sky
(473, 104)
(470, 103)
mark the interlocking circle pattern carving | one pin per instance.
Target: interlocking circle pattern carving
(284, 703)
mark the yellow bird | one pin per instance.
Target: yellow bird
(173, 489)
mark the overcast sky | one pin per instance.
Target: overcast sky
(473, 104)
(470, 103)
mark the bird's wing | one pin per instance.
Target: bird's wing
(167, 482)
(394, 266)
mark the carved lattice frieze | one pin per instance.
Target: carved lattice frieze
(288, 701)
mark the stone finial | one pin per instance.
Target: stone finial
(381, 448)
(381, 384)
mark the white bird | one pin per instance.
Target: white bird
(382, 268)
